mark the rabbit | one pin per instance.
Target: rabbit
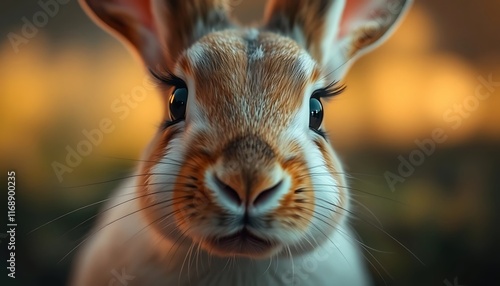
(240, 185)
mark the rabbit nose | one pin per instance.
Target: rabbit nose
(248, 174)
(256, 196)
(230, 193)
(266, 194)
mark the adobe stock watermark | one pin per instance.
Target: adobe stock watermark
(92, 138)
(31, 26)
(453, 116)
(120, 278)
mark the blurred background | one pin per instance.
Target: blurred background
(67, 75)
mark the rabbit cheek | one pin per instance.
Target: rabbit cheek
(297, 207)
(194, 207)
(333, 166)
(152, 196)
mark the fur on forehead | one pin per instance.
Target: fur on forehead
(247, 67)
(251, 47)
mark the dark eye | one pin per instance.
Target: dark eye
(178, 102)
(316, 113)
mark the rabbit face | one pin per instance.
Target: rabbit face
(242, 167)
(244, 173)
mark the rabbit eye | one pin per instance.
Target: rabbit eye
(316, 113)
(178, 102)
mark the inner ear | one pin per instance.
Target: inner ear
(159, 30)
(130, 20)
(309, 23)
(335, 31)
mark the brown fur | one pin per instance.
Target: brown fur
(282, 15)
(245, 133)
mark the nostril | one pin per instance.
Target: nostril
(266, 194)
(230, 193)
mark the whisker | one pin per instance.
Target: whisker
(367, 249)
(363, 245)
(178, 163)
(183, 236)
(184, 262)
(101, 228)
(124, 178)
(108, 199)
(369, 211)
(327, 75)
(103, 211)
(291, 259)
(356, 190)
(333, 243)
(71, 212)
(377, 227)
(198, 250)
(332, 226)
(158, 220)
(81, 208)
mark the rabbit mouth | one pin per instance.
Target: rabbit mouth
(243, 243)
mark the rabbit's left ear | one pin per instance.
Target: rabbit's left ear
(159, 30)
(335, 31)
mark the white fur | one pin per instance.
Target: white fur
(339, 62)
(336, 262)
(220, 198)
(326, 254)
(324, 185)
(196, 53)
(333, 18)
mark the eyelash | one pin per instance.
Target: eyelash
(168, 78)
(331, 90)
(320, 132)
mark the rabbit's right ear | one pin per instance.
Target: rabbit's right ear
(335, 31)
(159, 29)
